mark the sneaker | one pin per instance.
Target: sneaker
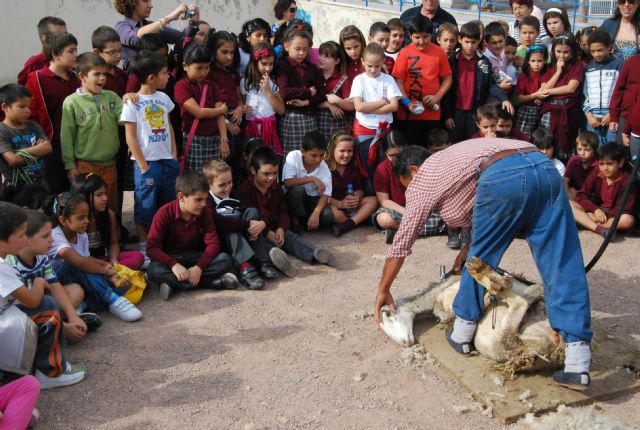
(465, 237)
(268, 270)
(93, 321)
(165, 291)
(453, 238)
(228, 281)
(281, 260)
(462, 348)
(389, 234)
(325, 256)
(125, 310)
(249, 278)
(574, 381)
(35, 416)
(73, 374)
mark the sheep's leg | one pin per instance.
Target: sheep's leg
(486, 276)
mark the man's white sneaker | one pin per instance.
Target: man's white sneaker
(73, 374)
(125, 310)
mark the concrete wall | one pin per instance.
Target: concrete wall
(18, 22)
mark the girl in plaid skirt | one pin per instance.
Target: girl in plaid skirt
(528, 89)
(203, 126)
(332, 115)
(300, 84)
(262, 98)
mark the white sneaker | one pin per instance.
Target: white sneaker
(73, 374)
(125, 310)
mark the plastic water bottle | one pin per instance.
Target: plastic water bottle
(434, 106)
(418, 108)
(351, 211)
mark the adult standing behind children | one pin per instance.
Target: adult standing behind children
(432, 10)
(135, 25)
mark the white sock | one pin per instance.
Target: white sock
(577, 357)
(463, 330)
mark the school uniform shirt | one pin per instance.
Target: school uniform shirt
(61, 242)
(9, 282)
(151, 115)
(294, 168)
(340, 182)
(466, 82)
(169, 233)
(116, 81)
(528, 84)
(33, 63)
(597, 193)
(48, 92)
(373, 89)
(186, 89)
(227, 82)
(271, 205)
(576, 173)
(15, 139)
(624, 96)
(387, 64)
(27, 273)
(353, 69)
(384, 181)
(294, 81)
(335, 84)
(421, 72)
(574, 71)
(258, 100)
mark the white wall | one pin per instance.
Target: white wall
(18, 19)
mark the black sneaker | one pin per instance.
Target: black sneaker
(228, 281)
(572, 380)
(250, 278)
(462, 348)
(93, 321)
(389, 234)
(268, 270)
(453, 238)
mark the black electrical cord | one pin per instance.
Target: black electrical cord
(623, 202)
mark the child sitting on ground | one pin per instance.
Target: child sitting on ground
(348, 203)
(237, 227)
(598, 201)
(438, 140)
(486, 121)
(505, 127)
(308, 181)
(52, 368)
(546, 144)
(183, 243)
(261, 191)
(582, 164)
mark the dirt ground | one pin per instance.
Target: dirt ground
(294, 356)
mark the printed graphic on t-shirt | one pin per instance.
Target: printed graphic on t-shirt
(415, 73)
(155, 115)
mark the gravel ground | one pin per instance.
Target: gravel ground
(294, 356)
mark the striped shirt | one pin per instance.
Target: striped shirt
(446, 185)
(41, 269)
(599, 81)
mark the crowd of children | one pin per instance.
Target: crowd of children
(234, 146)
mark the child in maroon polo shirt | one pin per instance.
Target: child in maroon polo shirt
(582, 164)
(46, 26)
(600, 197)
(183, 243)
(262, 192)
(49, 87)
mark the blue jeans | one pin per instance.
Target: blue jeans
(153, 188)
(523, 195)
(97, 289)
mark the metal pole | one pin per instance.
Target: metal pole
(479, 9)
(575, 11)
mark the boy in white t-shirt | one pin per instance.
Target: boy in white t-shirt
(375, 96)
(308, 181)
(150, 139)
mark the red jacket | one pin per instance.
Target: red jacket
(624, 93)
(590, 199)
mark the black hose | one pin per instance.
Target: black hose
(623, 202)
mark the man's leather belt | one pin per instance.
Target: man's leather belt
(503, 154)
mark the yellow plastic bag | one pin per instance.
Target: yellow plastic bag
(137, 283)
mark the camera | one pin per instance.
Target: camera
(189, 13)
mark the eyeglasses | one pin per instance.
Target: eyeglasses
(293, 9)
(114, 52)
(631, 2)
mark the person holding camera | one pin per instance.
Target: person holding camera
(136, 24)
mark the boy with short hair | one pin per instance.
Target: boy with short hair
(49, 87)
(396, 37)
(494, 38)
(505, 127)
(183, 243)
(52, 368)
(151, 140)
(528, 32)
(308, 181)
(473, 83)
(546, 143)
(23, 144)
(486, 121)
(600, 77)
(599, 199)
(233, 222)
(261, 191)
(582, 163)
(510, 49)
(105, 42)
(89, 130)
(381, 34)
(447, 38)
(46, 26)
(438, 140)
(423, 76)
